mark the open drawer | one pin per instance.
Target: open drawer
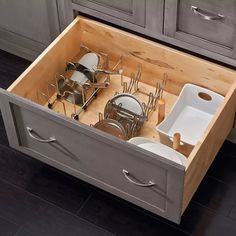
(105, 161)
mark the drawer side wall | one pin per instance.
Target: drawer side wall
(206, 149)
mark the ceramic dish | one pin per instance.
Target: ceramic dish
(140, 140)
(127, 102)
(191, 114)
(90, 61)
(112, 127)
(159, 149)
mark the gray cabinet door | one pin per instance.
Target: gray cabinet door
(144, 16)
(27, 27)
(209, 24)
(130, 10)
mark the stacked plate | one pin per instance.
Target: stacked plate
(112, 127)
(72, 89)
(85, 68)
(159, 149)
(127, 102)
(124, 116)
(128, 111)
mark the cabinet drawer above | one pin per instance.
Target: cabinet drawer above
(132, 11)
(141, 16)
(208, 24)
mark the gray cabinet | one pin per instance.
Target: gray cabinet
(27, 27)
(132, 11)
(143, 16)
(146, 179)
(206, 27)
(209, 24)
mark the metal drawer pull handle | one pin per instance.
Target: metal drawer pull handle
(126, 174)
(30, 130)
(205, 15)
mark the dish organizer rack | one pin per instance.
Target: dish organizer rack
(130, 120)
(132, 87)
(80, 96)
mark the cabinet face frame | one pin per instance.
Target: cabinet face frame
(136, 14)
(171, 30)
(181, 67)
(168, 193)
(146, 16)
(29, 46)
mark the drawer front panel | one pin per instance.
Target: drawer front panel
(118, 167)
(209, 24)
(220, 31)
(132, 11)
(91, 157)
(122, 6)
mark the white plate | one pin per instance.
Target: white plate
(140, 140)
(129, 102)
(90, 61)
(79, 77)
(159, 149)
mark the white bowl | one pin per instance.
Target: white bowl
(140, 140)
(129, 102)
(90, 61)
(79, 77)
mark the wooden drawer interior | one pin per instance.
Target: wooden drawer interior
(156, 60)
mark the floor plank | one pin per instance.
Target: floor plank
(224, 166)
(112, 214)
(37, 178)
(62, 190)
(200, 221)
(232, 213)
(10, 68)
(216, 195)
(120, 219)
(23, 232)
(40, 217)
(7, 228)
(17, 168)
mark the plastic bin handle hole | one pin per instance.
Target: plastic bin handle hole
(204, 96)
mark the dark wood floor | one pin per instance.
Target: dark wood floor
(36, 199)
